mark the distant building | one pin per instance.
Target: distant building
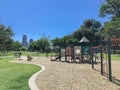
(30, 41)
(24, 41)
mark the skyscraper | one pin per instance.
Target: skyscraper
(24, 41)
(30, 41)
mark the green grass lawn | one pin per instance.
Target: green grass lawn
(37, 54)
(14, 76)
(33, 53)
(115, 57)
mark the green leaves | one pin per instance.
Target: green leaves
(42, 45)
(112, 28)
(90, 29)
(110, 8)
(5, 35)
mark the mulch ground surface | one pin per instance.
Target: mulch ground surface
(74, 76)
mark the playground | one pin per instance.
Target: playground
(72, 76)
(79, 68)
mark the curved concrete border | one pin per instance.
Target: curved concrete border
(31, 81)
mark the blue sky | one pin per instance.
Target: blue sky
(54, 18)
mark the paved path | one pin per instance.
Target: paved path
(69, 76)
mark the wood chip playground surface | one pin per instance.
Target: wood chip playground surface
(73, 76)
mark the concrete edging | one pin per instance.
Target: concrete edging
(31, 81)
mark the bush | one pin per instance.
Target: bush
(117, 51)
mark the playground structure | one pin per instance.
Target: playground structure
(105, 55)
(74, 54)
(86, 53)
(78, 54)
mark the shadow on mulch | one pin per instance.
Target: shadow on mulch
(96, 69)
(76, 62)
(116, 81)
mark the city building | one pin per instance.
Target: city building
(30, 41)
(24, 41)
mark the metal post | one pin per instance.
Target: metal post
(92, 60)
(101, 57)
(51, 56)
(60, 54)
(82, 54)
(65, 55)
(73, 53)
(109, 59)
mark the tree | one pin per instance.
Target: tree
(23, 48)
(110, 8)
(42, 45)
(5, 34)
(33, 46)
(64, 41)
(112, 28)
(69, 40)
(90, 29)
(57, 42)
(9, 44)
(78, 34)
(91, 24)
(16, 46)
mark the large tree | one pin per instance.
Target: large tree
(110, 8)
(64, 41)
(9, 44)
(5, 34)
(57, 42)
(90, 29)
(91, 24)
(111, 28)
(33, 46)
(42, 45)
(16, 46)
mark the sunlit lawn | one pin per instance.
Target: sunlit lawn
(37, 54)
(34, 53)
(14, 76)
(115, 57)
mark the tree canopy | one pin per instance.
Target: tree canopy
(90, 28)
(6, 34)
(41, 45)
(110, 8)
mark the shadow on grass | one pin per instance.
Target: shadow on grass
(1, 57)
